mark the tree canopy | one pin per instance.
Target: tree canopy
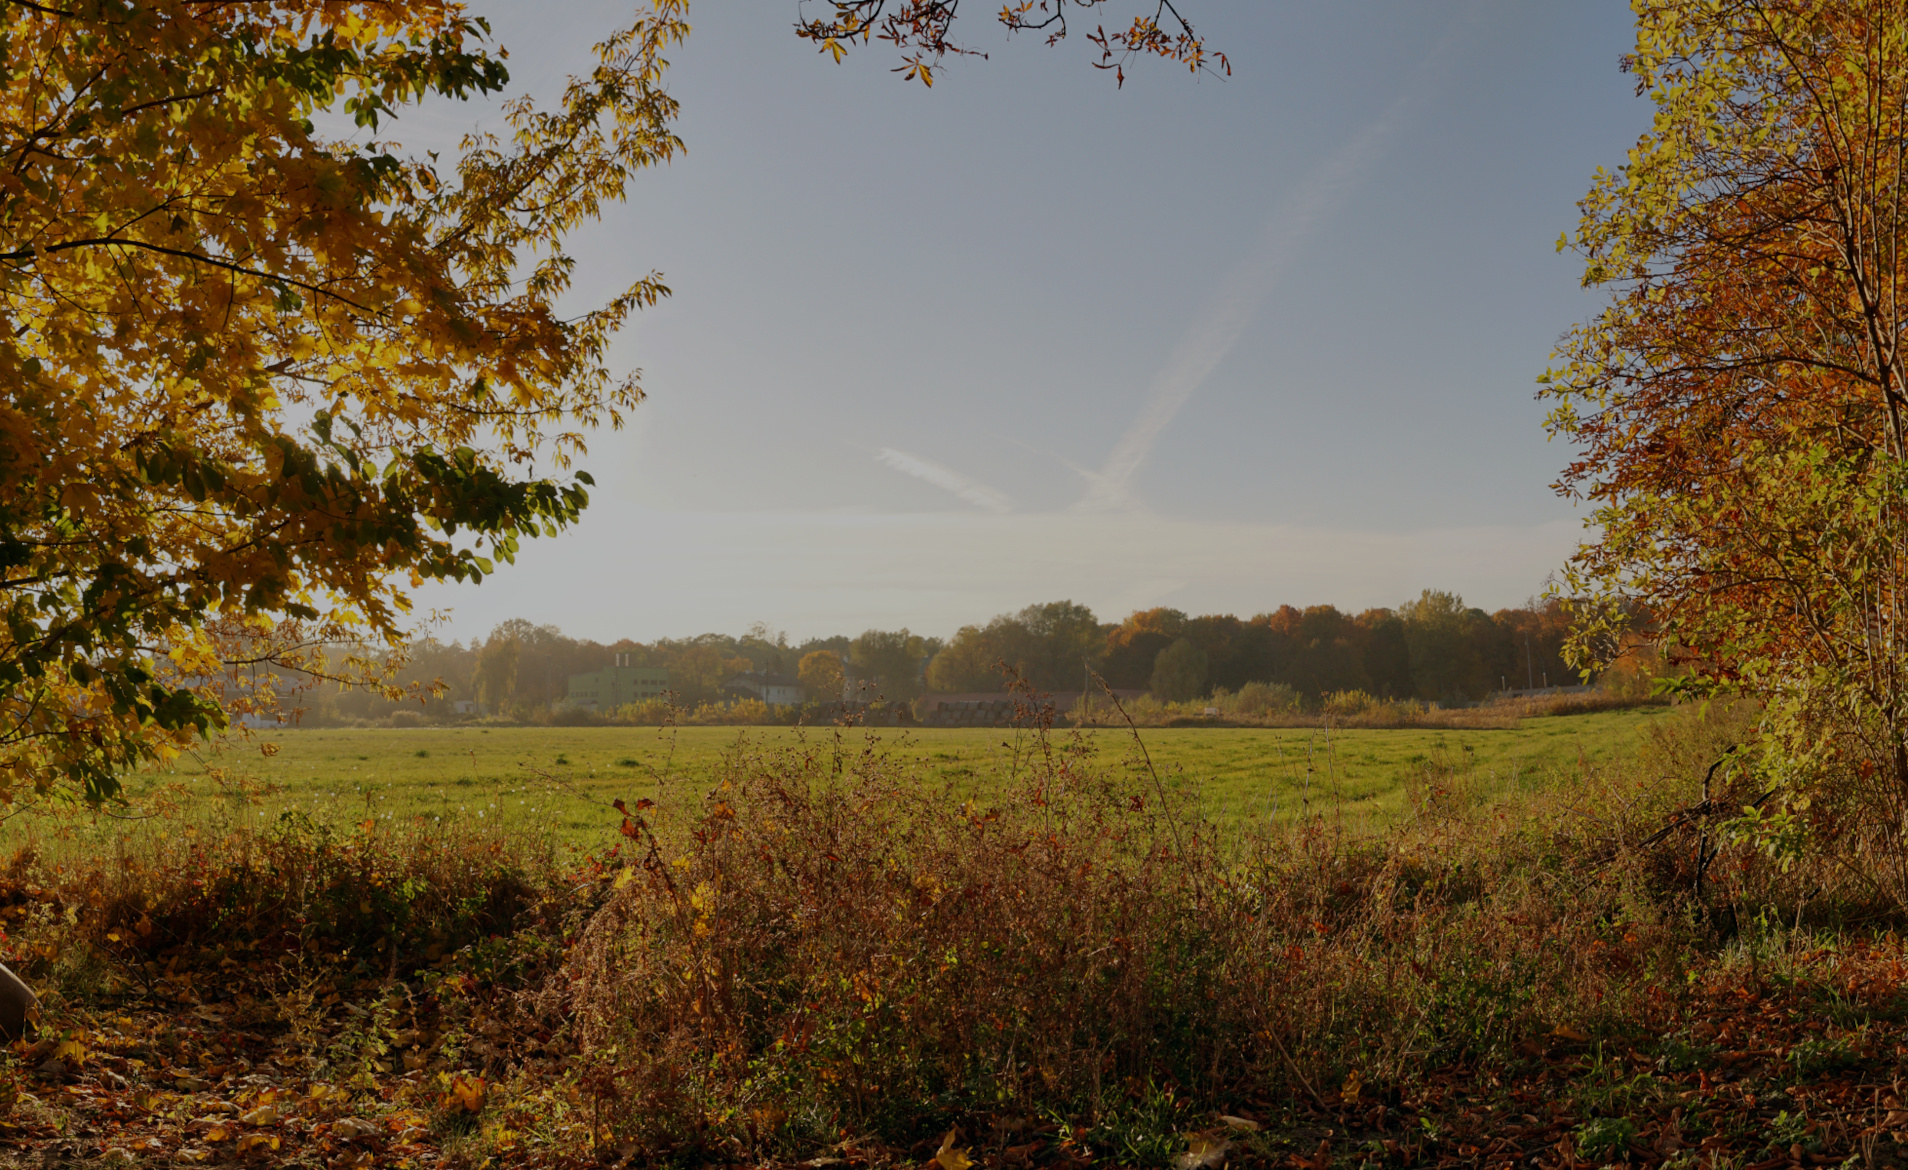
(259, 373)
(1738, 405)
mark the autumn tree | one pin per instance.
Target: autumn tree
(1527, 645)
(256, 373)
(1739, 406)
(820, 675)
(496, 677)
(698, 670)
(1386, 653)
(1133, 646)
(1442, 635)
(1051, 646)
(970, 661)
(768, 649)
(1064, 642)
(889, 661)
(1316, 650)
(1179, 673)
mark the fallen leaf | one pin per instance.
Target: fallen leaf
(1354, 1085)
(263, 1115)
(949, 1158)
(467, 1093)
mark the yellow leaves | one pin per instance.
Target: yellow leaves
(1353, 1086)
(702, 900)
(382, 292)
(466, 1093)
(625, 876)
(320, 1092)
(949, 1158)
(352, 27)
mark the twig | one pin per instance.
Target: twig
(1159, 786)
(1296, 1071)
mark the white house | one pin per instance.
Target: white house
(777, 690)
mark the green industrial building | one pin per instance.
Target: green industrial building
(614, 686)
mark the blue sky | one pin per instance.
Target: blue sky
(1215, 344)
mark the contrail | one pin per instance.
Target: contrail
(945, 478)
(1236, 301)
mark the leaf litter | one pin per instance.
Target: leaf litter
(1749, 1071)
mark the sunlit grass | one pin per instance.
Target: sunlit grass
(561, 781)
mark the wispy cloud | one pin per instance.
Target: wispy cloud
(945, 478)
(1233, 305)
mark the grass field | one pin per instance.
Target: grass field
(562, 779)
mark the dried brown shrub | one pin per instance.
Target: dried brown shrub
(820, 946)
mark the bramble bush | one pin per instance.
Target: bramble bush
(819, 946)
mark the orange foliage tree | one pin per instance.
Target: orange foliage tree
(1739, 405)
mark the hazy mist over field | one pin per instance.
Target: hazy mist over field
(1218, 345)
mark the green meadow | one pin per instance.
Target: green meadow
(562, 780)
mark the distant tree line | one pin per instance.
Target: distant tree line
(1433, 648)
